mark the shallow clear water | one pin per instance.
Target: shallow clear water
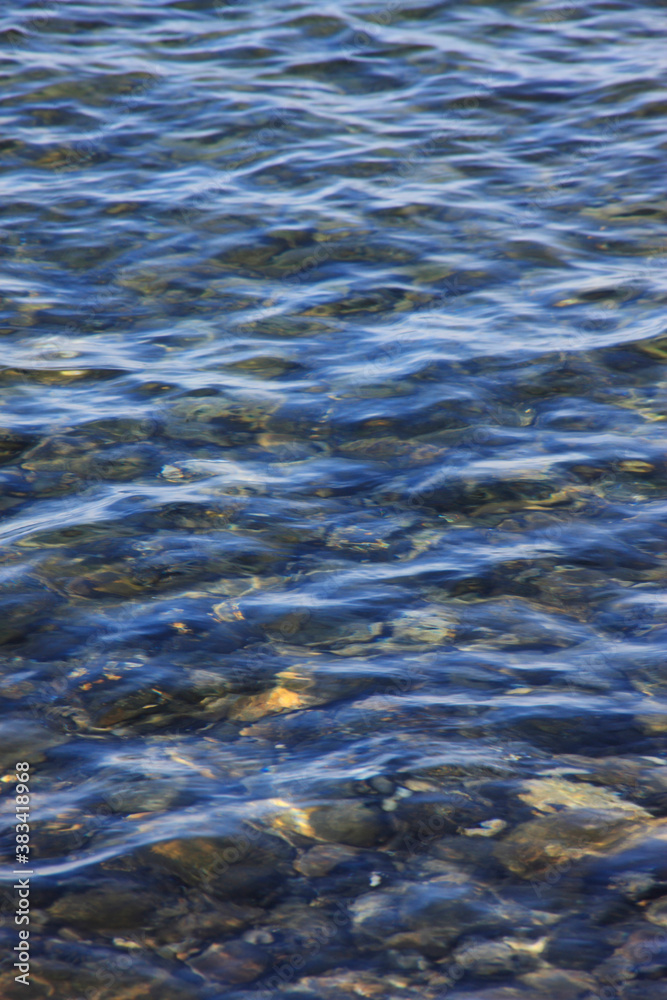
(333, 506)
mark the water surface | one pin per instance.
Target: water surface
(333, 497)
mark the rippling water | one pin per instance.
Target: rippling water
(333, 497)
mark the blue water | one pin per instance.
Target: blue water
(333, 478)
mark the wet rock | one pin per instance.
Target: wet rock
(375, 915)
(303, 685)
(287, 448)
(559, 984)
(258, 936)
(368, 869)
(121, 428)
(103, 974)
(249, 865)
(427, 626)
(218, 919)
(473, 854)
(121, 464)
(233, 962)
(131, 707)
(23, 613)
(576, 944)
(655, 723)
(323, 858)
(273, 702)
(642, 853)
(382, 784)
(109, 907)
(549, 795)
(634, 886)
(624, 775)
(12, 444)
(377, 541)
(642, 954)
(24, 740)
(537, 846)
(431, 811)
(431, 917)
(657, 912)
(295, 920)
(377, 449)
(61, 837)
(497, 958)
(289, 729)
(58, 448)
(407, 960)
(341, 984)
(487, 828)
(216, 419)
(346, 822)
(496, 992)
(126, 796)
(266, 366)
(652, 790)
(200, 692)
(308, 939)
(643, 990)
(467, 764)
(327, 629)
